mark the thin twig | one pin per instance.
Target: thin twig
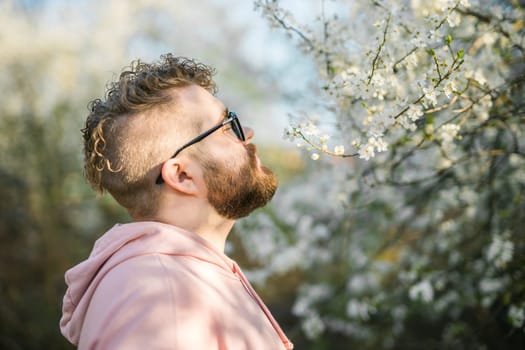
(320, 148)
(379, 49)
(293, 29)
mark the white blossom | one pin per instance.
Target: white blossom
(516, 315)
(359, 310)
(414, 112)
(447, 133)
(339, 150)
(449, 88)
(491, 285)
(482, 107)
(465, 3)
(310, 129)
(422, 291)
(430, 96)
(454, 19)
(500, 251)
(312, 325)
(366, 152)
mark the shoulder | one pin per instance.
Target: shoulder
(141, 275)
(132, 304)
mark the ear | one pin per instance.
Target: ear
(179, 175)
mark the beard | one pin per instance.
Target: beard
(235, 194)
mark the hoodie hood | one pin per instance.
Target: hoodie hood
(138, 238)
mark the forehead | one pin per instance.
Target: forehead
(200, 106)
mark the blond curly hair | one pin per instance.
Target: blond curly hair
(123, 154)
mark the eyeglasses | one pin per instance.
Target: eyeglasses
(231, 118)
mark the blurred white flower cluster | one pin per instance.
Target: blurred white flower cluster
(422, 291)
(500, 250)
(429, 94)
(392, 70)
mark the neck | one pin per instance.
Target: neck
(203, 221)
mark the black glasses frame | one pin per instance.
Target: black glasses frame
(231, 117)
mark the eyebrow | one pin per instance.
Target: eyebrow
(224, 115)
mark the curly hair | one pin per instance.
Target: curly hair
(117, 159)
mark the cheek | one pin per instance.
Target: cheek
(232, 159)
(200, 182)
(203, 192)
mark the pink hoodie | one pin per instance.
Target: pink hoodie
(148, 285)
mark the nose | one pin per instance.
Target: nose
(248, 133)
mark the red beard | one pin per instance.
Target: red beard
(235, 194)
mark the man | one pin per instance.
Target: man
(183, 166)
